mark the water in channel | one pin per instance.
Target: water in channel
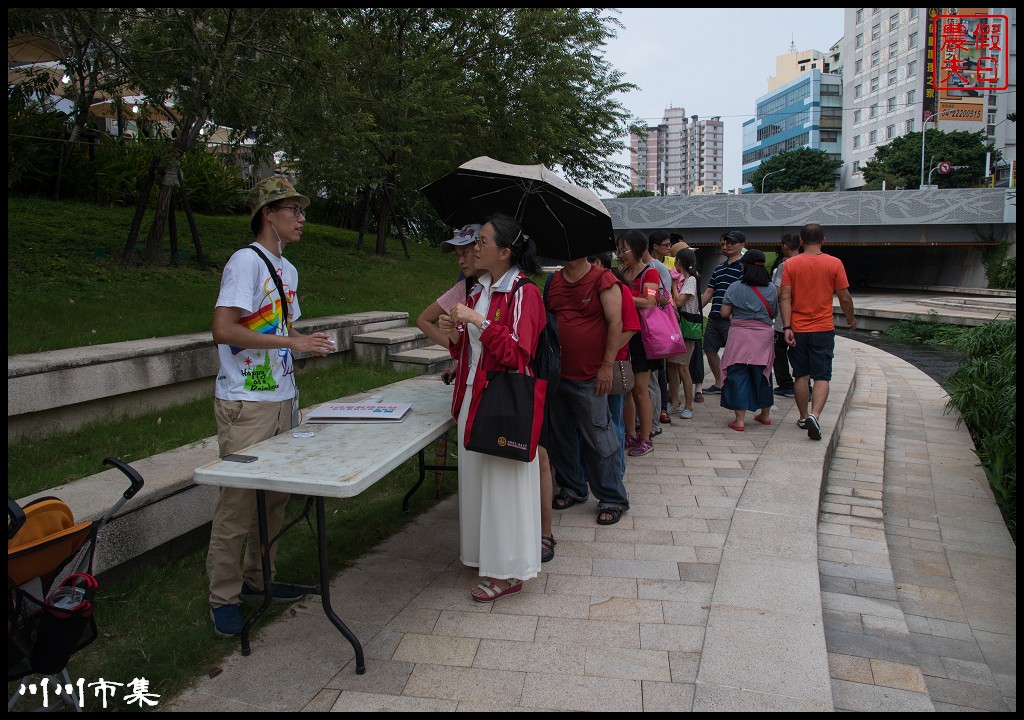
(936, 362)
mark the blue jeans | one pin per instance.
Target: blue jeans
(580, 416)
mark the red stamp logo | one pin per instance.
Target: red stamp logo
(971, 53)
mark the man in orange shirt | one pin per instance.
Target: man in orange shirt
(808, 283)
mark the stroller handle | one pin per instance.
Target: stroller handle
(133, 477)
(15, 517)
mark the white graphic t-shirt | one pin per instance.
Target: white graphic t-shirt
(261, 375)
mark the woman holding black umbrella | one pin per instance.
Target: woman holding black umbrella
(497, 329)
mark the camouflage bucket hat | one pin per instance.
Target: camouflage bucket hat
(271, 190)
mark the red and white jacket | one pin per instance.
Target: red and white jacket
(509, 342)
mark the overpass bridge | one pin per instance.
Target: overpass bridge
(895, 237)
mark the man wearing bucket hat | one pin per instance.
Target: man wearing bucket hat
(255, 394)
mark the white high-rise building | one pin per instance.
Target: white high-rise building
(680, 156)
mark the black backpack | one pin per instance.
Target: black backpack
(547, 361)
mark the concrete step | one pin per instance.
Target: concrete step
(871, 655)
(380, 346)
(432, 360)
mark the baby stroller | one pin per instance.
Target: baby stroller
(51, 590)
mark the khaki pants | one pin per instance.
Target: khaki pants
(239, 425)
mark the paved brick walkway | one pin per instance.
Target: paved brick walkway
(754, 571)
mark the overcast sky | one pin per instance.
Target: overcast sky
(712, 62)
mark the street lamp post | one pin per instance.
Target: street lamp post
(766, 177)
(924, 129)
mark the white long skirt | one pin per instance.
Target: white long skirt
(499, 511)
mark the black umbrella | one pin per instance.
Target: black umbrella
(564, 220)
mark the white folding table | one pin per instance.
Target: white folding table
(340, 460)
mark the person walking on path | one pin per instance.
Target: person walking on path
(751, 304)
(809, 281)
(684, 295)
(498, 328)
(587, 301)
(788, 247)
(643, 283)
(716, 333)
(255, 397)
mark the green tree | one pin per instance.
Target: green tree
(631, 193)
(901, 159)
(800, 170)
(418, 91)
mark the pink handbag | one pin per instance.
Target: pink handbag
(659, 329)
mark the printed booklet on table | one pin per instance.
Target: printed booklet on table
(359, 412)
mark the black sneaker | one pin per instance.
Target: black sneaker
(813, 428)
(279, 593)
(785, 392)
(713, 389)
(802, 423)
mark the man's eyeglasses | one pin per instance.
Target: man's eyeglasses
(667, 243)
(296, 210)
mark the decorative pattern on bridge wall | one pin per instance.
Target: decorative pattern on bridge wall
(895, 207)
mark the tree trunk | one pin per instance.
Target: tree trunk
(364, 216)
(172, 228)
(156, 230)
(140, 210)
(200, 258)
(383, 220)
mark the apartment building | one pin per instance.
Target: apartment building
(889, 84)
(803, 109)
(681, 156)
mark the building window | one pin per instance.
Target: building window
(891, 104)
(856, 115)
(872, 137)
(875, 57)
(858, 91)
(894, 21)
(912, 68)
(873, 111)
(876, 31)
(894, 50)
(910, 126)
(860, 40)
(874, 83)
(911, 97)
(856, 141)
(858, 67)
(856, 166)
(891, 78)
(912, 40)
(915, 12)
(860, 15)
(890, 132)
